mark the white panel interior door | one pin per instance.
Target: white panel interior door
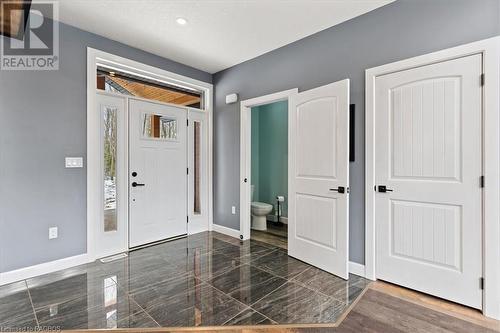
(158, 191)
(428, 152)
(319, 140)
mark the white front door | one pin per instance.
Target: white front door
(319, 195)
(157, 167)
(428, 156)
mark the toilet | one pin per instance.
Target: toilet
(259, 212)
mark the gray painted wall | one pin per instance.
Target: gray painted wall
(400, 30)
(43, 115)
(42, 120)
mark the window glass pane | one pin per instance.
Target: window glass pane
(133, 85)
(109, 116)
(197, 166)
(159, 127)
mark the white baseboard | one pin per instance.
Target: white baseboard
(56, 265)
(40, 269)
(226, 231)
(356, 269)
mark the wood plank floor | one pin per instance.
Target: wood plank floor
(436, 304)
(383, 308)
(378, 311)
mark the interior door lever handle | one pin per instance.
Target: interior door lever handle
(383, 189)
(135, 184)
(340, 189)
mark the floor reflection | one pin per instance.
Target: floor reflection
(207, 279)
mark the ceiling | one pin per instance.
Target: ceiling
(155, 93)
(219, 33)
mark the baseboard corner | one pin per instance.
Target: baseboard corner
(226, 231)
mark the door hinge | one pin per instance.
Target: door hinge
(481, 181)
(187, 122)
(482, 80)
(481, 283)
(187, 219)
(187, 171)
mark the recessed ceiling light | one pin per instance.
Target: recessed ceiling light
(181, 21)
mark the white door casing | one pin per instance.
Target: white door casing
(318, 211)
(158, 210)
(115, 240)
(94, 158)
(429, 153)
(246, 154)
(198, 221)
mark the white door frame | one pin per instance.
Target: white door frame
(122, 193)
(197, 222)
(246, 151)
(490, 49)
(95, 57)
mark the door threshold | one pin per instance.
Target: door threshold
(138, 247)
(113, 257)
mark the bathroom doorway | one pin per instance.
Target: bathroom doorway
(265, 131)
(269, 173)
(318, 174)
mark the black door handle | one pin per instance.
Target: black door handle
(135, 184)
(383, 189)
(340, 189)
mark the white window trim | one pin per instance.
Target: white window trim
(196, 220)
(246, 151)
(93, 167)
(490, 49)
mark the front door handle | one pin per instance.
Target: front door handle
(135, 184)
(340, 189)
(383, 189)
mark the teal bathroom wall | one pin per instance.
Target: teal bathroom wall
(255, 175)
(270, 153)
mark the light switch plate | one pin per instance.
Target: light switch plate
(74, 162)
(233, 210)
(52, 232)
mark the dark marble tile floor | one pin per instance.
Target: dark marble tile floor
(207, 279)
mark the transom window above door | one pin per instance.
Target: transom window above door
(121, 82)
